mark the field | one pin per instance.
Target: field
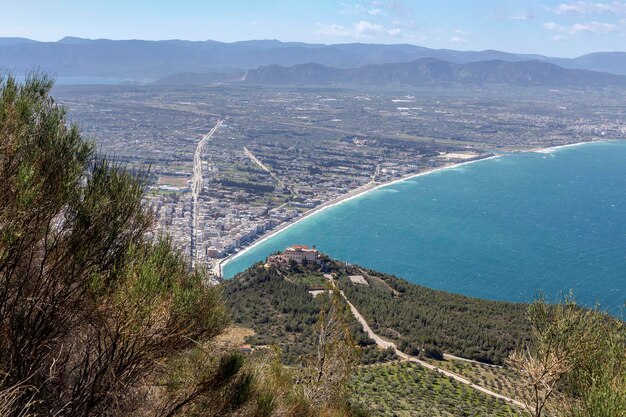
(408, 390)
(174, 181)
(498, 379)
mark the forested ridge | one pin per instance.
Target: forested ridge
(420, 318)
(280, 310)
(276, 305)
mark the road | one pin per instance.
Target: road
(196, 188)
(264, 167)
(386, 344)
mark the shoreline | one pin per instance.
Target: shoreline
(357, 192)
(551, 149)
(364, 189)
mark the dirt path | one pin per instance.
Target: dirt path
(386, 344)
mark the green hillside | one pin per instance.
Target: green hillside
(277, 306)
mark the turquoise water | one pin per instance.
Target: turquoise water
(501, 229)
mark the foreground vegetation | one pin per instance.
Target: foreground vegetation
(97, 320)
(576, 361)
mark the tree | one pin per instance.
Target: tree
(574, 352)
(336, 354)
(88, 307)
(95, 319)
(597, 386)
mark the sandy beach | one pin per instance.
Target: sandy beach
(357, 192)
(551, 149)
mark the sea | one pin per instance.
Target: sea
(508, 228)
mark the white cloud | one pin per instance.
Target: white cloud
(359, 9)
(361, 29)
(457, 40)
(559, 38)
(594, 27)
(528, 15)
(365, 28)
(396, 7)
(555, 27)
(587, 27)
(587, 8)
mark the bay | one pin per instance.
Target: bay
(502, 229)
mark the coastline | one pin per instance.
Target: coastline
(360, 191)
(357, 192)
(551, 149)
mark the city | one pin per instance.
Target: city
(229, 164)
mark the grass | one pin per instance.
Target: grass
(313, 280)
(409, 390)
(232, 338)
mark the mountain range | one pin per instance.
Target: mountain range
(141, 60)
(429, 71)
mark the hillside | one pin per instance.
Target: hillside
(151, 60)
(429, 71)
(277, 306)
(282, 312)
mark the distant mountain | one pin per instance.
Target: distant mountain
(15, 41)
(152, 60)
(430, 71)
(72, 40)
(613, 62)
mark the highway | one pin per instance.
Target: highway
(196, 188)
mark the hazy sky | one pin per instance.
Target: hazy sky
(548, 27)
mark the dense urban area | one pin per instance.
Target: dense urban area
(228, 163)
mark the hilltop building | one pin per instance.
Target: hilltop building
(298, 253)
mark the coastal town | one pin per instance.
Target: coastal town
(228, 165)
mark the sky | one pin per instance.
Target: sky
(548, 27)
